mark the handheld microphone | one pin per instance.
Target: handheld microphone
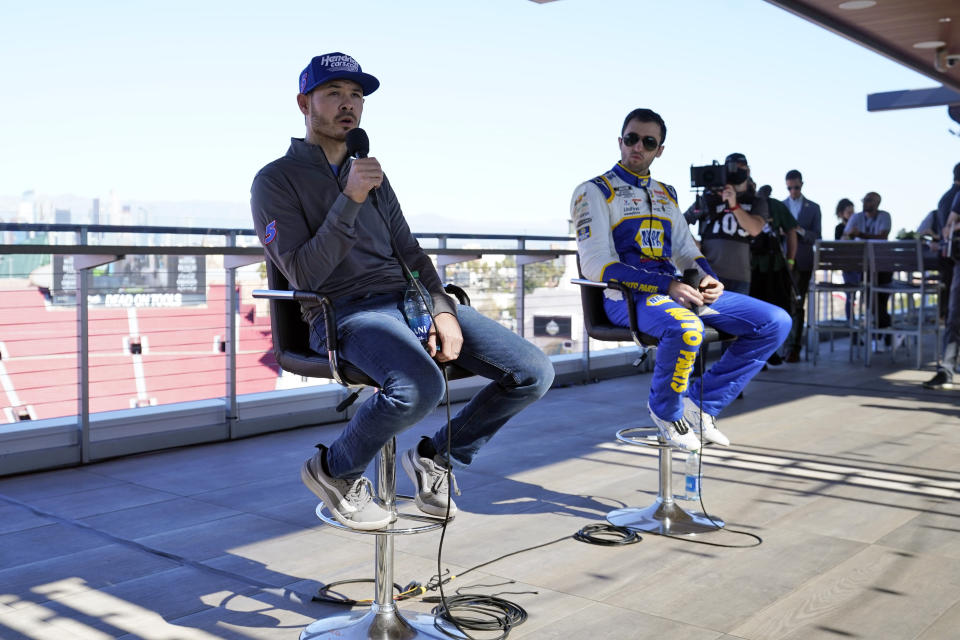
(692, 278)
(358, 143)
(358, 146)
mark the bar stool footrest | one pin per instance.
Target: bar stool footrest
(395, 528)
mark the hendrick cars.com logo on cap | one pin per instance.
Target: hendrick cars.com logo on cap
(341, 62)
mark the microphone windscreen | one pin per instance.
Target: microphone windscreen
(358, 144)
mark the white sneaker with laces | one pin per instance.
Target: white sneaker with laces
(430, 481)
(692, 414)
(349, 501)
(678, 433)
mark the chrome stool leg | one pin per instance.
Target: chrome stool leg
(384, 621)
(664, 516)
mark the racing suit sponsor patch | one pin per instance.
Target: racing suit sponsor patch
(681, 371)
(693, 335)
(650, 237)
(270, 232)
(583, 232)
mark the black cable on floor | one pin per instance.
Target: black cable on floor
(607, 535)
(326, 594)
(478, 612)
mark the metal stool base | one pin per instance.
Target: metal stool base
(664, 518)
(377, 625)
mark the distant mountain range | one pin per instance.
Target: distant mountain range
(230, 215)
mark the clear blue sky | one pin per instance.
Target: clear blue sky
(489, 112)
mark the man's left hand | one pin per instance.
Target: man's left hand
(451, 338)
(710, 289)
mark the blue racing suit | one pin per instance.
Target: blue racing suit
(630, 229)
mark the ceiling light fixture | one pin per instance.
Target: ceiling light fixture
(853, 5)
(929, 44)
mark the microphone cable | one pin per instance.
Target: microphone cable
(499, 613)
(717, 526)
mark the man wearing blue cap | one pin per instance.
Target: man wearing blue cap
(332, 224)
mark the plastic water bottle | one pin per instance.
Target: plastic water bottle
(692, 476)
(418, 309)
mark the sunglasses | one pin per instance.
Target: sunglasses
(793, 188)
(649, 142)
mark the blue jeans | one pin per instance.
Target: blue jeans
(850, 277)
(374, 336)
(951, 335)
(760, 328)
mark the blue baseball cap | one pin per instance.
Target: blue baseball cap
(331, 66)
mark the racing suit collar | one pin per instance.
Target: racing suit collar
(630, 177)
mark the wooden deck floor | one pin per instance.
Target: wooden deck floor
(850, 475)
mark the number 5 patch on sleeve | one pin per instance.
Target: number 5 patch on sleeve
(270, 233)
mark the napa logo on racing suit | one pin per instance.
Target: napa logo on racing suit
(692, 337)
(650, 237)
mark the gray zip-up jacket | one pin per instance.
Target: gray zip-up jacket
(323, 241)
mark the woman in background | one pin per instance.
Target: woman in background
(844, 211)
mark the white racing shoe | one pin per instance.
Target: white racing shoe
(692, 414)
(678, 433)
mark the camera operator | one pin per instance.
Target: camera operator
(729, 217)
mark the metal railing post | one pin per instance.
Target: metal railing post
(83, 264)
(442, 268)
(230, 341)
(83, 362)
(521, 284)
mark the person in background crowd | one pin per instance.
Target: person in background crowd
(844, 213)
(807, 214)
(729, 218)
(937, 227)
(950, 236)
(874, 224)
(771, 279)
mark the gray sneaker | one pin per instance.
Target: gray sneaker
(677, 433)
(693, 415)
(430, 481)
(350, 501)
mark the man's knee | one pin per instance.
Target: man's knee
(686, 329)
(537, 376)
(416, 396)
(780, 323)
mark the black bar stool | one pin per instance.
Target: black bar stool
(664, 516)
(291, 344)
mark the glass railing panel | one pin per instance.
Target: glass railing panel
(157, 325)
(38, 342)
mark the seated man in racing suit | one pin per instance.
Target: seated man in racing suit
(630, 230)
